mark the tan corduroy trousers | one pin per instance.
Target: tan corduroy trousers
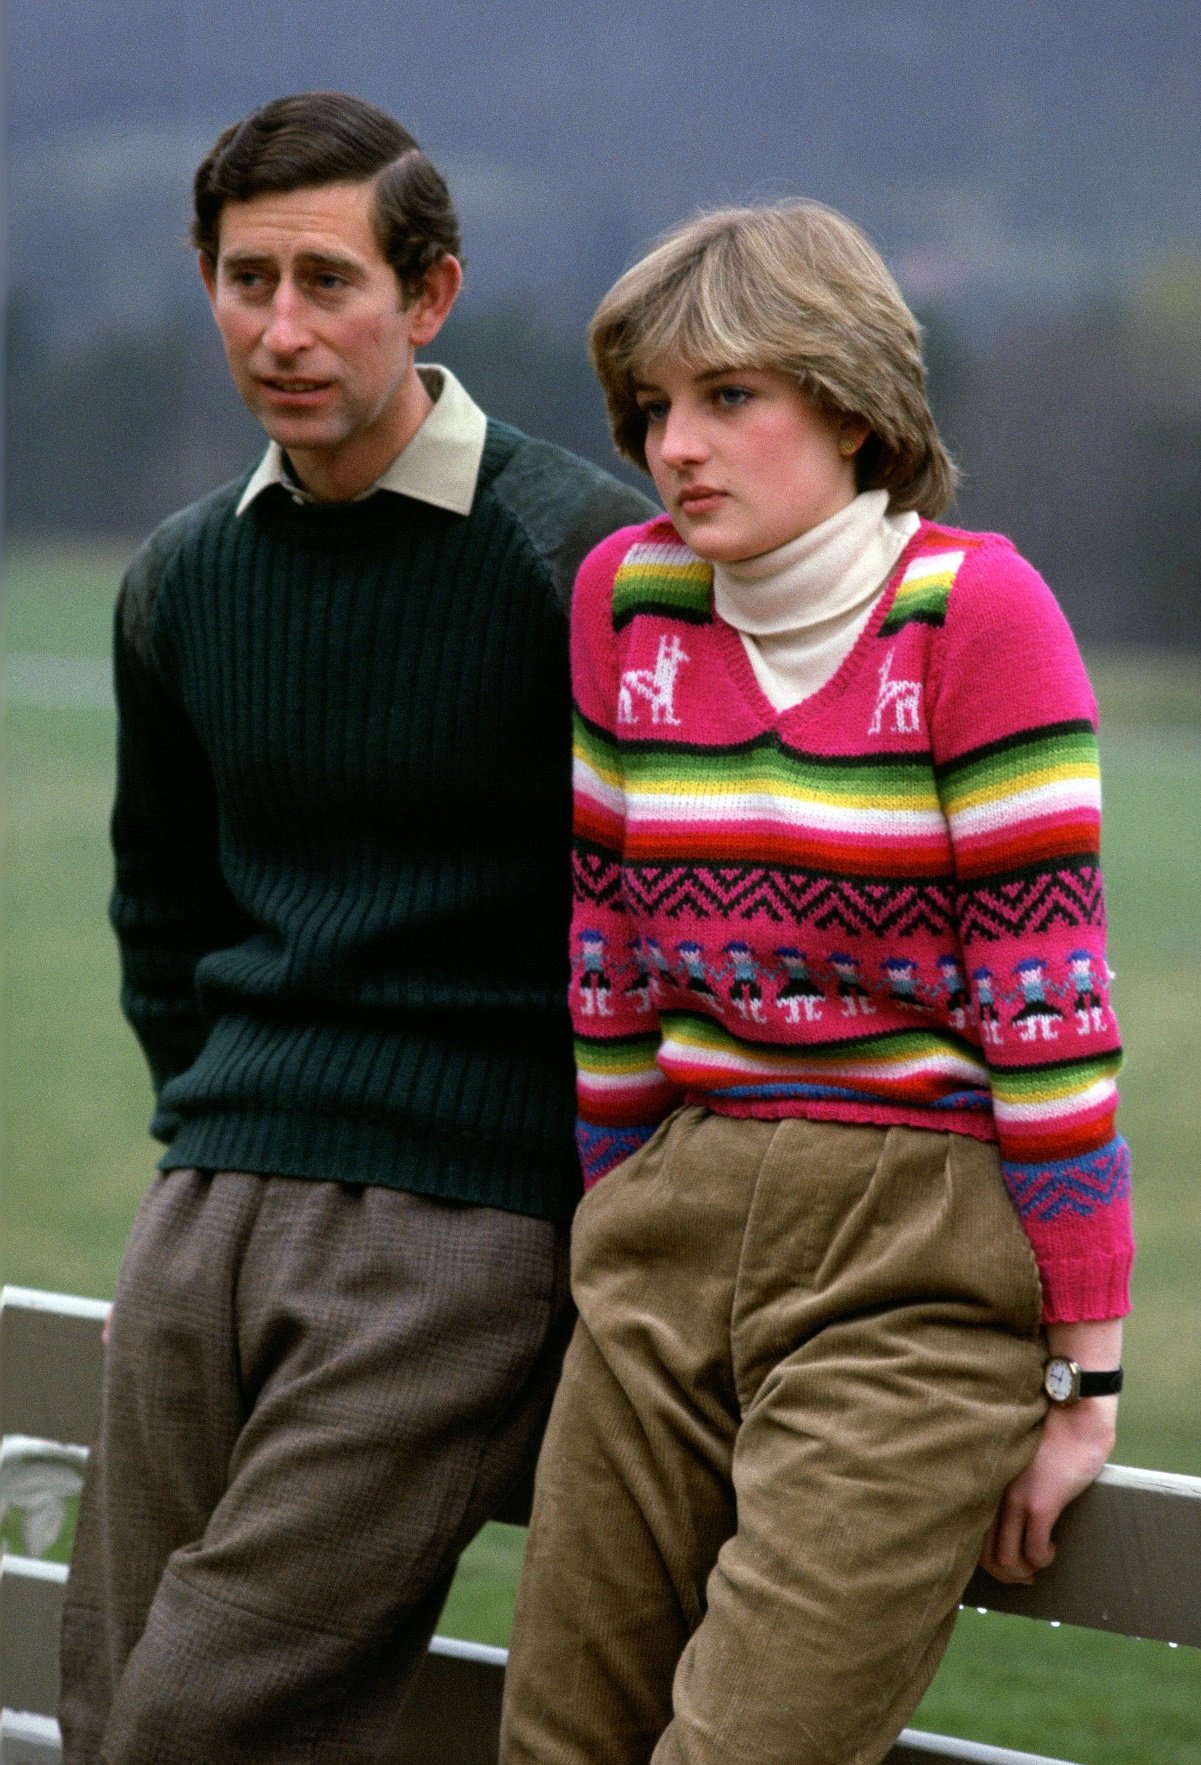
(806, 1365)
(315, 1394)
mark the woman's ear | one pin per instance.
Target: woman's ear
(852, 433)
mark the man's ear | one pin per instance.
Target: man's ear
(208, 275)
(430, 308)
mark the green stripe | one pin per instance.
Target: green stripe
(1029, 1085)
(616, 1054)
(910, 1044)
(765, 767)
(999, 766)
(643, 588)
(600, 750)
(761, 766)
(922, 603)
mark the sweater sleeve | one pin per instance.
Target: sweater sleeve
(170, 905)
(1013, 723)
(622, 1094)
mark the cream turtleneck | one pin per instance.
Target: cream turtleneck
(799, 609)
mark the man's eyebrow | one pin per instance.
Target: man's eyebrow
(307, 260)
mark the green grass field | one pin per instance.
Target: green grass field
(76, 1099)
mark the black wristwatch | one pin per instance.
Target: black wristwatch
(1064, 1382)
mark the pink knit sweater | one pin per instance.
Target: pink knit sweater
(883, 904)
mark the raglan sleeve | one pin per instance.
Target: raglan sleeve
(170, 905)
(1014, 730)
(622, 1093)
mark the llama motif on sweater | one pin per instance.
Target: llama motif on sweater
(882, 904)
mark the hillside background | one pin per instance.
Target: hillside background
(1031, 169)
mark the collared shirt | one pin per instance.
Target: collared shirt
(439, 465)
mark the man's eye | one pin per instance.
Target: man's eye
(329, 282)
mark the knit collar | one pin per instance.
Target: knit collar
(440, 465)
(826, 573)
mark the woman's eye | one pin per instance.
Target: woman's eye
(654, 409)
(730, 397)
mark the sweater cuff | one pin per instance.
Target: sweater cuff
(602, 1149)
(1076, 1213)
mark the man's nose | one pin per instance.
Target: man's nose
(287, 329)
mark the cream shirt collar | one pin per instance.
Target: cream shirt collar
(440, 465)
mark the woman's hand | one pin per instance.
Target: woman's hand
(1075, 1442)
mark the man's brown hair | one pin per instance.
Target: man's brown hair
(315, 138)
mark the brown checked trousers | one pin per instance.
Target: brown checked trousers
(315, 1395)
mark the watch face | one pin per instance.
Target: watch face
(1059, 1379)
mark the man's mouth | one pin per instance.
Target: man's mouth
(293, 388)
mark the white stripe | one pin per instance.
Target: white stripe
(714, 808)
(770, 1065)
(936, 564)
(642, 1080)
(658, 554)
(1043, 799)
(1050, 1109)
(588, 783)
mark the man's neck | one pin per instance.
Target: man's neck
(339, 474)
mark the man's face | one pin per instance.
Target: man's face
(319, 342)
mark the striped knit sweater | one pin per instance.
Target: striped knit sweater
(342, 830)
(883, 904)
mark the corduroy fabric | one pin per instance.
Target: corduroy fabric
(342, 826)
(303, 1425)
(806, 1365)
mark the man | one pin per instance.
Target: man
(341, 833)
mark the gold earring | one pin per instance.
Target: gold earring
(847, 446)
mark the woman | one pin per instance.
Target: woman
(858, 1220)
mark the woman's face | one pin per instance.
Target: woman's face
(742, 458)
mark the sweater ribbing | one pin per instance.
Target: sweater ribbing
(341, 832)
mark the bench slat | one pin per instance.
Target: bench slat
(51, 1359)
(28, 1740)
(1128, 1560)
(31, 1601)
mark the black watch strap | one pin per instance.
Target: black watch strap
(1101, 1384)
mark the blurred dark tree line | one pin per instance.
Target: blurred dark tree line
(1078, 431)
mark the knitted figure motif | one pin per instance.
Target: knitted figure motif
(932, 811)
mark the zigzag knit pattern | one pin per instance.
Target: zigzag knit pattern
(882, 905)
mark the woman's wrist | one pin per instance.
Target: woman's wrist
(1095, 1345)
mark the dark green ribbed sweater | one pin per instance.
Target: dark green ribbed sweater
(342, 830)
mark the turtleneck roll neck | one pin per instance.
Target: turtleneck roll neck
(798, 609)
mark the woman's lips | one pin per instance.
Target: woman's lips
(699, 498)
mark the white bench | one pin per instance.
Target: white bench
(1129, 1561)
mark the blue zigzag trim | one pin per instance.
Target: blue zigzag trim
(601, 1149)
(1071, 1185)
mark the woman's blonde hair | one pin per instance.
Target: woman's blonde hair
(793, 287)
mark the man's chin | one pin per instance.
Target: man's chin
(297, 435)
